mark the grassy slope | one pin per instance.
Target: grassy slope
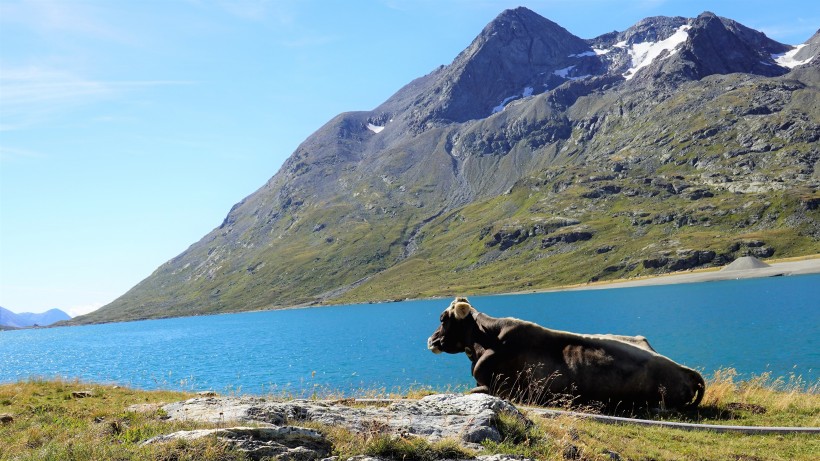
(49, 424)
(454, 258)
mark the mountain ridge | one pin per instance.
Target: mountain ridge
(28, 319)
(372, 193)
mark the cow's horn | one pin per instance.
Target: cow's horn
(462, 310)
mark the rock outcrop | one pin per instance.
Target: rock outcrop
(284, 443)
(469, 419)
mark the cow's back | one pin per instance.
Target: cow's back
(602, 368)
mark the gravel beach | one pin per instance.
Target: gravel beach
(743, 268)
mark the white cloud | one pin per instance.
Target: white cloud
(31, 94)
(82, 309)
(60, 18)
(34, 85)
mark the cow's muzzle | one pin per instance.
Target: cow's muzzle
(433, 344)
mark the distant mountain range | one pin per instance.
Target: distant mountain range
(9, 319)
(535, 159)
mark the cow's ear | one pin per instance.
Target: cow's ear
(462, 310)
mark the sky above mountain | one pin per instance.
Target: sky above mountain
(129, 129)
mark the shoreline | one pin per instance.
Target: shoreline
(801, 265)
(786, 267)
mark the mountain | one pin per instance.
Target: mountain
(535, 159)
(27, 319)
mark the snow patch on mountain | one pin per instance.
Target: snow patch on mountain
(645, 52)
(787, 59)
(592, 52)
(374, 128)
(524, 93)
(564, 73)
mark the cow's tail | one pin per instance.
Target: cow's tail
(699, 386)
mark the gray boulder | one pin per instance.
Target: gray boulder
(499, 457)
(468, 418)
(284, 443)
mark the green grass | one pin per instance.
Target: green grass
(50, 424)
(760, 401)
(453, 258)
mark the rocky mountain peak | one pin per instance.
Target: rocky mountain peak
(653, 29)
(684, 50)
(518, 54)
(519, 24)
(718, 46)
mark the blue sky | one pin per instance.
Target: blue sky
(128, 128)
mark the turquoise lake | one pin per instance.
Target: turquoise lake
(754, 325)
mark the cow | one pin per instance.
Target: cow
(524, 362)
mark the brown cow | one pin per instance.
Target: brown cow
(522, 361)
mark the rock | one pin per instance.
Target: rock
(609, 189)
(762, 252)
(207, 394)
(655, 263)
(568, 237)
(283, 443)
(750, 407)
(507, 238)
(81, 394)
(469, 418)
(6, 418)
(498, 457)
(614, 268)
(698, 194)
(810, 203)
(690, 259)
(572, 452)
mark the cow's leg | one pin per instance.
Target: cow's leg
(480, 390)
(490, 378)
(483, 372)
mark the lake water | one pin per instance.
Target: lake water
(756, 326)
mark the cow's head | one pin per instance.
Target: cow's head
(456, 322)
